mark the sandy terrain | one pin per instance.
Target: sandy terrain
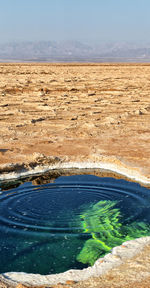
(78, 113)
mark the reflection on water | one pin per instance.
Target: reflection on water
(57, 226)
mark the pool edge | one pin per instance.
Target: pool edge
(117, 257)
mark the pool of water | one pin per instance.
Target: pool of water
(70, 223)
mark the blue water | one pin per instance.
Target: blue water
(39, 231)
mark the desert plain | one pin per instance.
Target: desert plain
(77, 113)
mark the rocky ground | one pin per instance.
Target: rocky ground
(78, 112)
(75, 111)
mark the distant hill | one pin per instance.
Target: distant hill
(68, 51)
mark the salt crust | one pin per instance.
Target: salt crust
(119, 168)
(117, 256)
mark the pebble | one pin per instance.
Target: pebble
(70, 282)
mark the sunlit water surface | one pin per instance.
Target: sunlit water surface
(40, 226)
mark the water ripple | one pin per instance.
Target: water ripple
(38, 220)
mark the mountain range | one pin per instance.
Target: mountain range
(70, 51)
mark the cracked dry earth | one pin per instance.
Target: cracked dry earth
(80, 112)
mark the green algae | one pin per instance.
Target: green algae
(104, 223)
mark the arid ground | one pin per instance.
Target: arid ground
(77, 112)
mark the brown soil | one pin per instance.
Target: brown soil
(80, 112)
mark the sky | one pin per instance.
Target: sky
(83, 20)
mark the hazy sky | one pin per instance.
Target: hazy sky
(91, 20)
